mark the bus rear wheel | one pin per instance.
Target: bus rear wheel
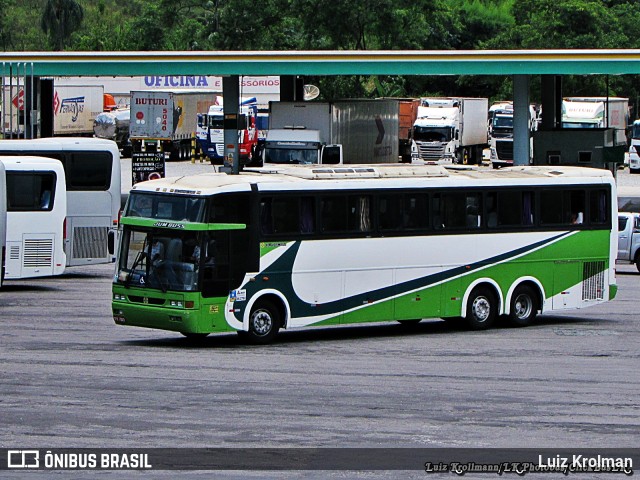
(523, 308)
(264, 323)
(482, 309)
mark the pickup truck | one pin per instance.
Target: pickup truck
(629, 238)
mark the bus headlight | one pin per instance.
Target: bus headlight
(176, 303)
(119, 297)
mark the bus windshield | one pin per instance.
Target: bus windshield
(165, 207)
(160, 259)
(291, 156)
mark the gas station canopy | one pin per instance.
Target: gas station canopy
(362, 62)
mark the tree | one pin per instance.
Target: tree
(60, 19)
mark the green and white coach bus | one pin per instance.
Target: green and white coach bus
(302, 246)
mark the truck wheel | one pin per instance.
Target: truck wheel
(637, 261)
(466, 160)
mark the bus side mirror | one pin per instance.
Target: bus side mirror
(331, 155)
(200, 120)
(111, 242)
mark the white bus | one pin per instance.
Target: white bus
(305, 246)
(93, 178)
(36, 209)
(3, 220)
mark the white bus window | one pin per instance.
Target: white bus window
(550, 207)
(457, 210)
(307, 215)
(598, 207)
(334, 211)
(389, 214)
(575, 205)
(359, 213)
(30, 191)
(415, 212)
(88, 171)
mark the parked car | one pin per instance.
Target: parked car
(629, 238)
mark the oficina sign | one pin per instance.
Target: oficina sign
(269, 85)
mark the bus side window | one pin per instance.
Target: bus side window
(266, 220)
(415, 211)
(473, 210)
(598, 207)
(551, 212)
(334, 213)
(492, 214)
(574, 205)
(359, 213)
(389, 215)
(528, 208)
(307, 215)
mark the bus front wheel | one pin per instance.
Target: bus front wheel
(523, 307)
(264, 323)
(482, 309)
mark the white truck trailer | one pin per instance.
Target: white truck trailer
(451, 129)
(597, 112)
(166, 120)
(367, 131)
(74, 109)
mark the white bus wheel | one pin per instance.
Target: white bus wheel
(264, 323)
(482, 309)
(523, 307)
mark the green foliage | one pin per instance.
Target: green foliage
(114, 25)
(60, 18)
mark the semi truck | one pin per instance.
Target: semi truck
(451, 129)
(346, 131)
(501, 133)
(210, 131)
(165, 121)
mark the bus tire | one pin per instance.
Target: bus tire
(264, 323)
(482, 309)
(523, 308)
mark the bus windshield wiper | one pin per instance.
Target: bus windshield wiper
(139, 259)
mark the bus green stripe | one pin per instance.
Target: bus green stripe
(534, 260)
